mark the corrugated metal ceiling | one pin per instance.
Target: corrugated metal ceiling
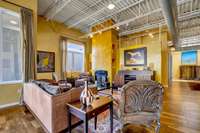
(83, 14)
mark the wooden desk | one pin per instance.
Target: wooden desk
(86, 113)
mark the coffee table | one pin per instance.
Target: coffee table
(84, 113)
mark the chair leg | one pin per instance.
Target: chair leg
(157, 129)
(95, 122)
(121, 128)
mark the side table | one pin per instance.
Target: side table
(86, 113)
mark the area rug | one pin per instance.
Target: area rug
(103, 125)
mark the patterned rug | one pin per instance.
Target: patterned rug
(103, 125)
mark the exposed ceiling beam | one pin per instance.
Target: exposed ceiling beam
(118, 11)
(82, 11)
(124, 22)
(190, 23)
(143, 28)
(140, 35)
(91, 15)
(150, 26)
(190, 31)
(180, 2)
(169, 9)
(114, 13)
(185, 16)
(55, 8)
(182, 17)
(189, 15)
(148, 6)
(190, 41)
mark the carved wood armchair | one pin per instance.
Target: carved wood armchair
(140, 102)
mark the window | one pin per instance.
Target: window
(75, 57)
(10, 47)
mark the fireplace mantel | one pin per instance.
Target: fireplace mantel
(134, 75)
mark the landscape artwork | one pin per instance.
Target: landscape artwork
(45, 61)
(189, 57)
(135, 57)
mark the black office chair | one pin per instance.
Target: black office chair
(101, 76)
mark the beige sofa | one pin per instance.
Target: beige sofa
(50, 110)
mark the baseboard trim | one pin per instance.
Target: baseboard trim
(9, 105)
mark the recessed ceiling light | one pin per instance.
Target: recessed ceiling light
(117, 28)
(13, 22)
(111, 6)
(91, 35)
(173, 49)
(151, 35)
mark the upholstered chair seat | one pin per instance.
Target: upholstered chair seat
(139, 102)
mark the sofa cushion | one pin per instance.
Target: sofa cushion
(40, 83)
(52, 89)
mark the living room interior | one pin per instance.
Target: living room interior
(86, 66)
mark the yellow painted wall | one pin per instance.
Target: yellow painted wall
(9, 92)
(156, 53)
(164, 59)
(176, 62)
(115, 53)
(31, 4)
(102, 52)
(153, 53)
(48, 36)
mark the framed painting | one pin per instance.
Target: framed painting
(189, 58)
(135, 57)
(45, 61)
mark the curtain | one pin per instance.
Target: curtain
(63, 56)
(29, 44)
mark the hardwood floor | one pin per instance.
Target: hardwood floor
(181, 113)
(18, 120)
(181, 108)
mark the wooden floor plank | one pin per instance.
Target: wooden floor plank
(180, 114)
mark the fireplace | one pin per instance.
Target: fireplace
(128, 78)
(128, 75)
(125, 76)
